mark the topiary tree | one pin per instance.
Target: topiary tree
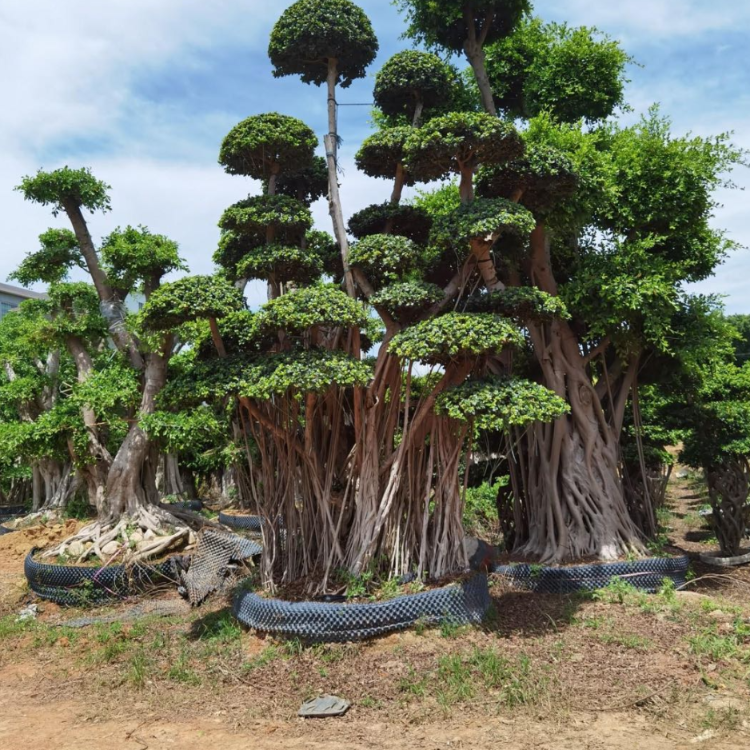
(622, 292)
(114, 455)
(412, 84)
(331, 42)
(353, 465)
(35, 449)
(465, 26)
(718, 442)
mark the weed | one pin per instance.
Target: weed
(369, 702)
(726, 719)
(635, 642)
(269, 654)
(413, 685)
(218, 627)
(138, 668)
(180, 671)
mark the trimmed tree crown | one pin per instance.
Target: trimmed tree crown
(457, 141)
(188, 299)
(411, 77)
(66, 186)
(268, 144)
(310, 33)
(132, 256)
(59, 252)
(381, 153)
(442, 24)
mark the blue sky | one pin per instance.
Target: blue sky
(144, 92)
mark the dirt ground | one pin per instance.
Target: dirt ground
(618, 670)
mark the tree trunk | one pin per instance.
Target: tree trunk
(112, 307)
(574, 500)
(130, 485)
(728, 485)
(476, 58)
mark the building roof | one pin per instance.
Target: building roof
(18, 291)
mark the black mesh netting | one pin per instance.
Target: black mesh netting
(252, 523)
(458, 604)
(210, 564)
(647, 575)
(76, 585)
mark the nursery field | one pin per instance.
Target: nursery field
(619, 669)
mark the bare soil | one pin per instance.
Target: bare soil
(620, 670)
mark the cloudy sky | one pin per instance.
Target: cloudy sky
(143, 92)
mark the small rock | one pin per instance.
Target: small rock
(719, 616)
(192, 538)
(323, 706)
(682, 473)
(110, 548)
(28, 613)
(149, 534)
(709, 734)
(76, 549)
(136, 537)
(482, 556)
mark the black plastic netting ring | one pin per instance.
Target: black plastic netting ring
(459, 604)
(241, 522)
(647, 575)
(11, 511)
(50, 581)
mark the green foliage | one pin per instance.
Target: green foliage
(184, 431)
(480, 507)
(499, 404)
(459, 140)
(625, 293)
(281, 263)
(674, 214)
(385, 257)
(381, 153)
(306, 185)
(301, 309)
(483, 219)
(290, 374)
(720, 420)
(66, 188)
(59, 253)
(454, 336)
(254, 214)
(312, 32)
(409, 78)
(573, 73)
(741, 323)
(407, 221)
(74, 309)
(544, 176)
(524, 304)
(133, 257)
(441, 24)
(190, 298)
(268, 144)
(407, 300)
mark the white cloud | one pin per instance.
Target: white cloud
(642, 20)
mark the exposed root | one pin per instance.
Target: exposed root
(147, 533)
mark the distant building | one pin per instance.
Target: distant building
(12, 296)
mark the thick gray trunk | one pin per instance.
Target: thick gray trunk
(131, 483)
